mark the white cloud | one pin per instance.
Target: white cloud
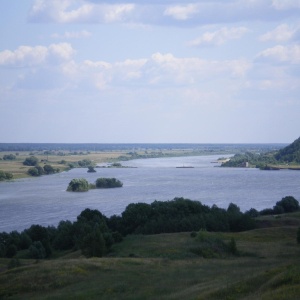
(72, 35)
(281, 33)
(115, 13)
(219, 37)
(63, 51)
(182, 12)
(279, 53)
(160, 12)
(68, 11)
(26, 56)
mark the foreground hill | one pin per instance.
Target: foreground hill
(164, 267)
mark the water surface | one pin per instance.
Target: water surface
(44, 200)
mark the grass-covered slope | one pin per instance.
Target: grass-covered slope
(164, 267)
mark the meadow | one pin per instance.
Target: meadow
(164, 267)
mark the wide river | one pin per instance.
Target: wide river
(44, 200)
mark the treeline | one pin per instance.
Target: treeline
(289, 154)
(94, 234)
(253, 159)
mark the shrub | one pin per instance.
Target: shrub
(5, 176)
(78, 185)
(103, 183)
(31, 161)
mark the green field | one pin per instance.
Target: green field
(164, 267)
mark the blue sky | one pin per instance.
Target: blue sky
(150, 71)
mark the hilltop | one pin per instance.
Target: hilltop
(287, 157)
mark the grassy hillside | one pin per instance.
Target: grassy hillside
(165, 267)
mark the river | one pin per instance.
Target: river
(44, 200)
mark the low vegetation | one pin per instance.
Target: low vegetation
(82, 185)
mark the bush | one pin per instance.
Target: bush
(30, 161)
(5, 176)
(91, 169)
(36, 171)
(78, 185)
(288, 204)
(103, 183)
(9, 157)
(48, 169)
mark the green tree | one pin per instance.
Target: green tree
(288, 203)
(9, 157)
(93, 244)
(78, 185)
(37, 250)
(48, 169)
(31, 161)
(5, 176)
(104, 183)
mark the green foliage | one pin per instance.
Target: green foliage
(48, 169)
(64, 237)
(288, 204)
(291, 153)
(38, 233)
(11, 250)
(78, 185)
(36, 171)
(5, 176)
(180, 215)
(85, 163)
(91, 169)
(254, 159)
(103, 183)
(9, 157)
(37, 250)
(31, 161)
(298, 235)
(92, 234)
(209, 246)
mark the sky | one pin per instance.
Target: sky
(160, 71)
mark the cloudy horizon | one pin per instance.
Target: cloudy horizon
(150, 71)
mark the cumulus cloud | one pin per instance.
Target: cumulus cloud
(219, 37)
(160, 12)
(72, 11)
(182, 12)
(281, 33)
(26, 56)
(72, 35)
(279, 53)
